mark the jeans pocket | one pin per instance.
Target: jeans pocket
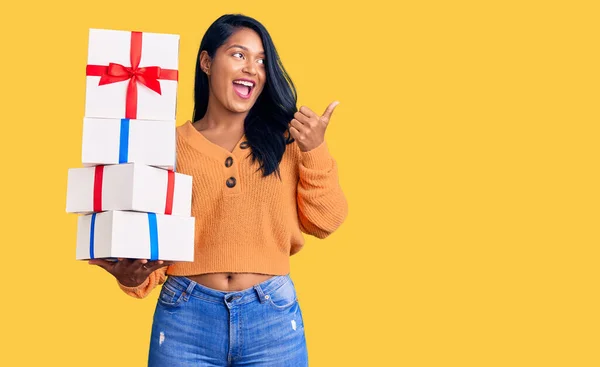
(283, 297)
(169, 296)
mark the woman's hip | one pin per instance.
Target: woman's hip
(184, 301)
(263, 321)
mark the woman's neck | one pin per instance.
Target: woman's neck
(217, 117)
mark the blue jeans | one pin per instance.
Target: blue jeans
(199, 326)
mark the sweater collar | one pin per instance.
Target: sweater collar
(197, 140)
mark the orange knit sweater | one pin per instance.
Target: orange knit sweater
(246, 222)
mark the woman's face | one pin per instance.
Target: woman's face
(240, 60)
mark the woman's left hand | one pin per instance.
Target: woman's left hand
(308, 128)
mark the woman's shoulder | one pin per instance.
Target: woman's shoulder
(186, 133)
(183, 128)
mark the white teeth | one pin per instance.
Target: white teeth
(242, 82)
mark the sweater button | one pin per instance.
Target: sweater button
(244, 145)
(230, 182)
(228, 162)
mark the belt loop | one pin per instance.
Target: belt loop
(261, 294)
(188, 291)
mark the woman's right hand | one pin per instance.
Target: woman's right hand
(130, 272)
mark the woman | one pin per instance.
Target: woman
(262, 176)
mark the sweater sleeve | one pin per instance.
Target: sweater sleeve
(155, 278)
(322, 205)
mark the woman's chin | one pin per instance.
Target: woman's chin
(240, 107)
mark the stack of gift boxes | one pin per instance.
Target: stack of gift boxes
(130, 201)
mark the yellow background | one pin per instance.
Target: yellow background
(467, 140)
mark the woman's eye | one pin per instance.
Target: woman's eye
(262, 61)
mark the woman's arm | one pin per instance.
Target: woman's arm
(155, 278)
(135, 277)
(322, 205)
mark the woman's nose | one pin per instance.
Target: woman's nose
(250, 68)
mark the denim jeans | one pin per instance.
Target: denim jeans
(199, 326)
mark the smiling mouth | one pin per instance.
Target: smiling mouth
(243, 90)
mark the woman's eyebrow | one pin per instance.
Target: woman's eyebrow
(244, 48)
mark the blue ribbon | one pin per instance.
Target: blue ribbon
(92, 235)
(153, 236)
(152, 224)
(124, 141)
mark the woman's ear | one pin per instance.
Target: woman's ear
(205, 62)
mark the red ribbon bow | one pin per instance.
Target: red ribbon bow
(148, 76)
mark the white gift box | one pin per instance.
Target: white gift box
(122, 234)
(128, 186)
(131, 75)
(116, 141)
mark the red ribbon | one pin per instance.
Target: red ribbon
(98, 175)
(148, 76)
(170, 189)
(98, 179)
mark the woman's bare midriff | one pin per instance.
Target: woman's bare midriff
(229, 282)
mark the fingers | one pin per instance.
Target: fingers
(305, 115)
(104, 264)
(155, 265)
(137, 264)
(303, 118)
(327, 114)
(295, 133)
(297, 124)
(132, 265)
(308, 112)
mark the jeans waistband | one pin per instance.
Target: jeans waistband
(256, 292)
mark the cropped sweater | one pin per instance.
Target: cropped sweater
(245, 222)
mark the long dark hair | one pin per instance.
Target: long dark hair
(267, 123)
